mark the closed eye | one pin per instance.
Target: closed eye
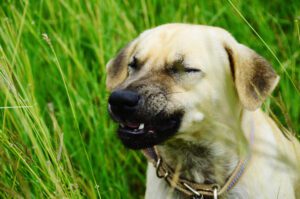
(179, 67)
(191, 70)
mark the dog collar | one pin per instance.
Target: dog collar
(192, 189)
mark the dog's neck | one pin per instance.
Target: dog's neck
(202, 163)
(209, 160)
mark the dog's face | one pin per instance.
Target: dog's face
(174, 79)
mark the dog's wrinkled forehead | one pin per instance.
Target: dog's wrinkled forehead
(167, 44)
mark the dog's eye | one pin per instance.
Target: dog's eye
(134, 63)
(175, 70)
(191, 70)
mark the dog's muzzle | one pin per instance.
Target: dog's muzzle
(137, 128)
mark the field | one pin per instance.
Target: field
(56, 138)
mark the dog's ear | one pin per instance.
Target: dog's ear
(254, 77)
(116, 69)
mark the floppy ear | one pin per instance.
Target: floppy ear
(254, 77)
(116, 69)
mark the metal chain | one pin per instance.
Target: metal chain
(215, 193)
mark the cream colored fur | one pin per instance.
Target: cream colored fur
(221, 106)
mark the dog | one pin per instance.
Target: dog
(191, 95)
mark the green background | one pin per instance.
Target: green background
(56, 139)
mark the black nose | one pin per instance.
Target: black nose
(123, 101)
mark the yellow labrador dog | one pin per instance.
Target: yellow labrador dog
(190, 97)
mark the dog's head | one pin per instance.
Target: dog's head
(175, 77)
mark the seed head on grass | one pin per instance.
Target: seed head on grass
(46, 38)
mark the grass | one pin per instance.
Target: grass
(56, 138)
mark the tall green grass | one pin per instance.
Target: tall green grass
(56, 139)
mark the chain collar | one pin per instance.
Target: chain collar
(192, 189)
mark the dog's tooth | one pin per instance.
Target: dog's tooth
(122, 125)
(150, 131)
(141, 126)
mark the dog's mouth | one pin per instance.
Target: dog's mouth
(137, 135)
(147, 132)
